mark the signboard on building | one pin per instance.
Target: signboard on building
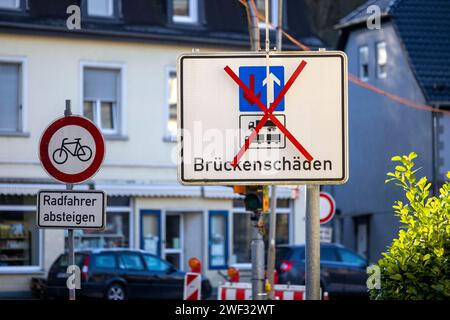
(71, 209)
(239, 125)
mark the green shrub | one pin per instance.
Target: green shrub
(417, 263)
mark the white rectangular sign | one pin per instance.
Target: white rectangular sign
(239, 126)
(71, 209)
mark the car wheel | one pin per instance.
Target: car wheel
(115, 292)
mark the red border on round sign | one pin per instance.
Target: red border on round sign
(99, 149)
(333, 208)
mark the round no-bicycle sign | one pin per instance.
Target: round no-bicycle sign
(71, 149)
(327, 207)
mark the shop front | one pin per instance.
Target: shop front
(173, 222)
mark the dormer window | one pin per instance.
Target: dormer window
(100, 8)
(185, 11)
(10, 4)
(273, 13)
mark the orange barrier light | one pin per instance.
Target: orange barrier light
(233, 274)
(195, 265)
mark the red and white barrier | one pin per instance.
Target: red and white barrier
(192, 286)
(286, 292)
(243, 291)
(193, 281)
(235, 291)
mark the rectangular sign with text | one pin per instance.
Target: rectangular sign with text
(245, 119)
(71, 209)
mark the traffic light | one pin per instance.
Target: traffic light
(253, 199)
(256, 197)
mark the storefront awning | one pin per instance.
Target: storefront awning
(155, 190)
(150, 190)
(31, 189)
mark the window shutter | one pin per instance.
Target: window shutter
(9, 96)
(101, 84)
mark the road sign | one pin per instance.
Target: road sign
(71, 209)
(231, 136)
(71, 149)
(327, 207)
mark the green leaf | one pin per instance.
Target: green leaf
(396, 158)
(400, 168)
(397, 277)
(439, 252)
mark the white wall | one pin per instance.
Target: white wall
(53, 75)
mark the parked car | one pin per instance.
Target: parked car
(115, 274)
(342, 271)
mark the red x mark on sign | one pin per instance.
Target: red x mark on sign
(268, 113)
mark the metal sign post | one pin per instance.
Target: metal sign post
(312, 260)
(71, 150)
(69, 186)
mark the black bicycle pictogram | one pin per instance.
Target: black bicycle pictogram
(83, 153)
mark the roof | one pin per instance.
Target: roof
(221, 23)
(424, 29)
(360, 14)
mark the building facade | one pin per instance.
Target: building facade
(403, 56)
(119, 70)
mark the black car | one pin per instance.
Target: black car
(120, 274)
(342, 271)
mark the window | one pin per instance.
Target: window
(155, 264)
(171, 105)
(328, 254)
(131, 261)
(101, 101)
(218, 239)
(150, 231)
(115, 235)
(20, 238)
(11, 96)
(273, 13)
(364, 63)
(282, 229)
(117, 230)
(105, 261)
(100, 8)
(381, 60)
(185, 11)
(351, 258)
(9, 4)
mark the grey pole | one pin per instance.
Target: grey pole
(273, 197)
(313, 243)
(257, 249)
(68, 113)
(257, 243)
(280, 26)
(272, 251)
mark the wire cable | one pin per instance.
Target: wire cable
(354, 79)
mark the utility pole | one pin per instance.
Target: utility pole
(257, 243)
(271, 255)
